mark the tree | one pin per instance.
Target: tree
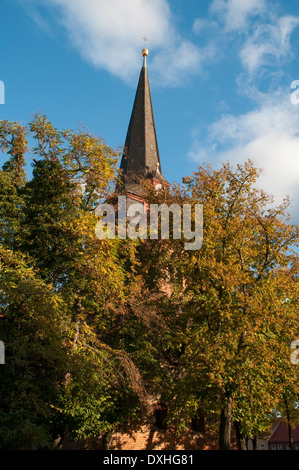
(12, 178)
(233, 302)
(93, 328)
(32, 328)
(96, 384)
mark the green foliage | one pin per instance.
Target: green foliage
(95, 330)
(32, 329)
(60, 287)
(233, 303)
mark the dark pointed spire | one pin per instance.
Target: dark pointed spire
(140, 159)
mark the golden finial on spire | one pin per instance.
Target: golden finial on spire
(145, 50)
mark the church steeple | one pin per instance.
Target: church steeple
(140, 159)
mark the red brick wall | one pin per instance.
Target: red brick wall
(149, 438)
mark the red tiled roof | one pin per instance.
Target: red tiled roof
(281, 433)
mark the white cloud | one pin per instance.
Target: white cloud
(108, 34)
(267, 43)
(237, 13)
(176, 64)
(254, 29)
(268, 135)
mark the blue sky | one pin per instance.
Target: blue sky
(220, 74)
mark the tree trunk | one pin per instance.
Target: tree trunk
(291, 440)
(241, 441)
(106, 440)
(67, 377)
(226, 424)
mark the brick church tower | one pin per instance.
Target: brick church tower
(140, 163)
